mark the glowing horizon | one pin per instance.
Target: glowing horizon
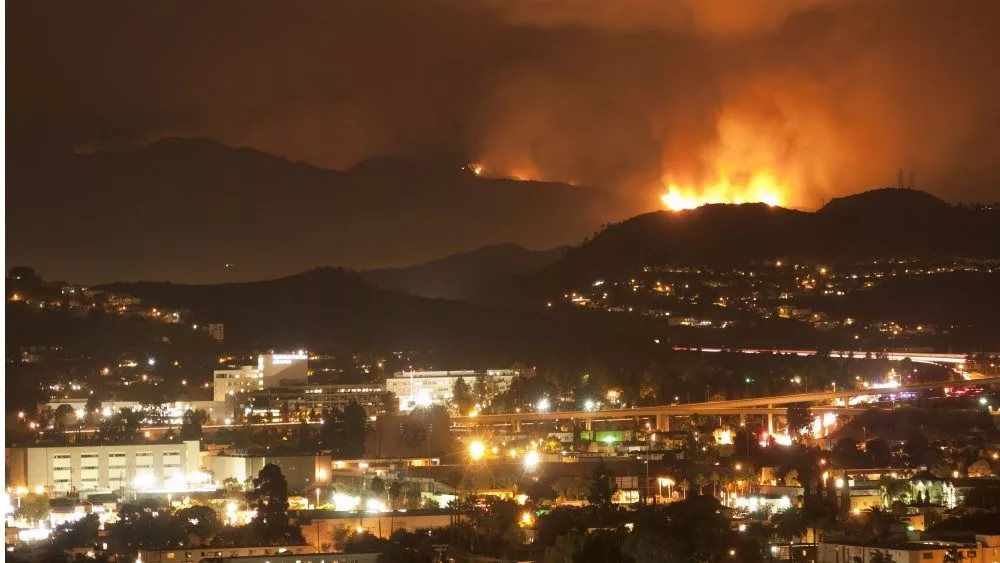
(762, 188)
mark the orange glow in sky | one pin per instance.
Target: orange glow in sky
(761, 188)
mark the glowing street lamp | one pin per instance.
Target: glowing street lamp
(477, 450)
(531, 459)
(543, 405)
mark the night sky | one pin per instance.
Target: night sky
(828, 97)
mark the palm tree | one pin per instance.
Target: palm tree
(789, 524)
(684, 486)
(700, 480)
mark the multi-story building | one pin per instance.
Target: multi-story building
(983, 548)
(228, 382)
(283, 369)
(272, 370)
(300, 401)
(97, 468)
(164, 413)
(424, 388)
(216, 331)
(300, 470)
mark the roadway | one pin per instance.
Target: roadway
(920, 357)
(751, 406)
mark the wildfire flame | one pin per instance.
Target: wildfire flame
(761, 188)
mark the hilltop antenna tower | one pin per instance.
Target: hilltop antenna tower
(899, 179)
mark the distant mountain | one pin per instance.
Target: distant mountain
(332, 308)
(194, 209)
(887, 203)
(885, 223)
(467, 276)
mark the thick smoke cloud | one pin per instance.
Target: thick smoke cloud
(829, 96)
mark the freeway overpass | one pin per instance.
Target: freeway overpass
(919, 357)
(752, 406)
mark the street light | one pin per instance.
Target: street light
(543, 405)
(531, 459)
(477, 450)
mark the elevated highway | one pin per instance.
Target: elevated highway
(919, 357)
(752, 406)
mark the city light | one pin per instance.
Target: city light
(588, 405)
(531, 459)
(543, 405)
(144, 481)
(345, 503)
(477, 450)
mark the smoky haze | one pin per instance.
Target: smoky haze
(829, 97)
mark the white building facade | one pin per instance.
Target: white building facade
(94, 468)
(272, 370)
(425, 388)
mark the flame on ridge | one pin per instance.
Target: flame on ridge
(761, 188)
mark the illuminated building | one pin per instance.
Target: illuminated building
(229, 382)
(425, 388)
(163, 413)
(272, 553)
(983, 548)
(216, 331)
(302, 401)
(272, 370)
(171, 466)
(300, 470)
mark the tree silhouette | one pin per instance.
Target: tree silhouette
(269, 498)
(191, 424)
(462, 396)
(602, 487)
(790, 525)
(799, 416)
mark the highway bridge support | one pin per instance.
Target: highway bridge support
(663, 422)
(770, 420)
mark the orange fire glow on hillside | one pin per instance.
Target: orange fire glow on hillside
(761, 188)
